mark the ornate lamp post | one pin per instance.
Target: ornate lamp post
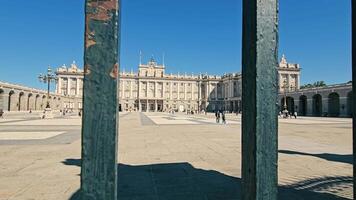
(48, 78)
(285, 87)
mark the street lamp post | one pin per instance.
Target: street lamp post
(285, 87)
(48, 78)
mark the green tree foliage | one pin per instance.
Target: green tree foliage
(315, 84)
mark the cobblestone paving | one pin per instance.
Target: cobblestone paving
(164, 157)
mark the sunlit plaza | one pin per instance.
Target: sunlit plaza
(178, 100)
(173, 156)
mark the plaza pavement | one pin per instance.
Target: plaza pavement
(164, 157)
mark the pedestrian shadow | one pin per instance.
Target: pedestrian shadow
(346, 158)
(182, 181)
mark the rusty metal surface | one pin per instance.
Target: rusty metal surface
(100, 118)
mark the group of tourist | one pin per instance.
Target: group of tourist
(220, 115)
(286, 114)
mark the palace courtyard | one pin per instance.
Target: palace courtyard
(164, 156)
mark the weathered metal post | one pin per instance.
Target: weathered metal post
(100, 112)
(353, 10)
(259, 99)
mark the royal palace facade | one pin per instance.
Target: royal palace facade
(150, 89)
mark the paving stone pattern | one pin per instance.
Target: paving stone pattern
(177, 160)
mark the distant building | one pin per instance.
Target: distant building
(151, 89)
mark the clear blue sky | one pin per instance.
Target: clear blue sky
(196, 36)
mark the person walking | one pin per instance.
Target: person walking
(1, 113)
(223, 117)
(217, 116)
(295, 115)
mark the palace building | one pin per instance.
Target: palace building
(150, 89)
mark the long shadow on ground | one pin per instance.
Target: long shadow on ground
(347, 158)
(181, 181)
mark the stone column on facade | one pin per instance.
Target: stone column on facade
(131, 89)
(199, 96)
(280, 82)
(192, 92)
(163, 91)
(123, 90)
(14, 102)
(23, 103)
(5, 101)
(30, 102)
(59, 86)
(325, 105)
(289, 82)
(156, 106)
(309, 106)
(216, 91)
(155, 91)
(147, 106)
(208, 88)
(139, 95)
(178, 88)
(231, 88)
(185, 91)
(170, 90)
(68, 85)
(146, 95)
(77, 89)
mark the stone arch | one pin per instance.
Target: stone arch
(2, 100)
(303, 105)
(37, 102)
(29, 101)
(317, 105)
(333, 104)
(22, 101)
(349, 104)
(12, 103)
(50, 100)
(44, 102)
(290, 104)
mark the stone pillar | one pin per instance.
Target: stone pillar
(199, 96)
(170, 90)
(185, 91)
(5, 101)
(68, 86)
(216, 91)
(309, 106)
(156, 106)
(147, 89)
(147, 106)
(123, 96)
(178, 88)
(325, 105)
(192, 92)
(131, 89)
(139, 106)
(59, 88)
(155, 91)
(77, 88)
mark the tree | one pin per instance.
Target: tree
(315, 84)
